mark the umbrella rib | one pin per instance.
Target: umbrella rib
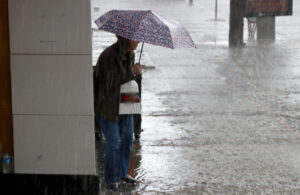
(171, 38)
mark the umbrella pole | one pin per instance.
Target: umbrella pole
(141, 52)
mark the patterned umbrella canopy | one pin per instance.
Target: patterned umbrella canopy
(145, 26)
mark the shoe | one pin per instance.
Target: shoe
(112, 186)
(129, 179)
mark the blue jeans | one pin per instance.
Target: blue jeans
(119, 137)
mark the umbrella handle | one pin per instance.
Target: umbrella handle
(141, 52)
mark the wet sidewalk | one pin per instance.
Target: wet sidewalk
(215, 120)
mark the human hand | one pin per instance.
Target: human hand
(136, 69)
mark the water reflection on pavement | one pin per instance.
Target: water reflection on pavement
(216, 120)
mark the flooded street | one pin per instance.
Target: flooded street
(215, 120)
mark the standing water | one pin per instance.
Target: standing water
(215, 120)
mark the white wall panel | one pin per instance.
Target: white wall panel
(54, 144)
(52, 84)
(50, 26)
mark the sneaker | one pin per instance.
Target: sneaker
(129, 179)
(112, 186)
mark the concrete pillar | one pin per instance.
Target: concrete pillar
(236, 29)
(266, 29)
(52, 87)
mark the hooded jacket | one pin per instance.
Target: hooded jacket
(112, 70)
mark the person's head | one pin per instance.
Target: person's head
(127, 44)
(132, 45)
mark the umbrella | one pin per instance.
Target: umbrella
(147, 27)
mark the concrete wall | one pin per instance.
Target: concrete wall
(52, 96)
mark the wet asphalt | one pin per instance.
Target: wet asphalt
(215, 120)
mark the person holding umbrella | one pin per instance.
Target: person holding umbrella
(115, 66)
(142, 26)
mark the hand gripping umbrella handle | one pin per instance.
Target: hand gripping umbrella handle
(141, 52)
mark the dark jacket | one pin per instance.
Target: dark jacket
(112, 70)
